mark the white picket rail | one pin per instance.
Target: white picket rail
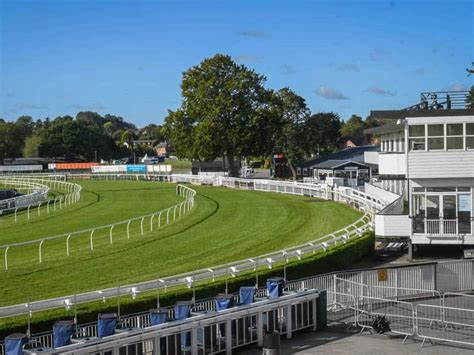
(40, 187)
(350, 196)
(183, 206)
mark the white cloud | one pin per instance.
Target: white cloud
(379, 91)
(330, 93)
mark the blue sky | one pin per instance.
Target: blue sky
(127, 57)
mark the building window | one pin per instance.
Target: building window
(469, 135)
(417, 137)
(305, 171)
(435, 137)
(298, 171)
(454, 140)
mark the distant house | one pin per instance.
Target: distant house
(348, 144)
(163, 149)
(347, 163)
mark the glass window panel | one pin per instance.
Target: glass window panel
(418, 189)
(470, 142)
(417, 144)
(470, 128)
(454, 129)
(455, 142)
(432, 207)
(464, 214)
(435, 143)
(417, 131)
(419, 213)
(464, 189)
(449, 206)
(435, 130)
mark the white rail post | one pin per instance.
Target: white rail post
(6, 258)
(54, 205)
(111, 233)
(60, 202)
(16, 210)
(174, 213)
(91, 238)
(67, 244)
(39, 209)
(151, 222)
(128, 229)
(141, 225)
(168, 216)
(159, 219)
(180, 206)
(28, 213)
(47, 206)
(40, 249)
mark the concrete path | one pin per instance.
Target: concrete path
(336, 340)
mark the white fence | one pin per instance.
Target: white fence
(169, 215)
(37, 196)
(349, 196)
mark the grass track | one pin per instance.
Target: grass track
(225, 225)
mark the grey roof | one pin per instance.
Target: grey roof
(386, 128)
(332, 164)
(352, 154)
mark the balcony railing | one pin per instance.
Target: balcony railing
(441, 100)
(442, 226)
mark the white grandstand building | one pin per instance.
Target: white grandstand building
(427, 157)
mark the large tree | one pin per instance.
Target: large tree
(353, 129)
(76, 140)
(323, 132)
(221, 101)
(292, 114)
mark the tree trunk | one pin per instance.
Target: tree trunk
(230, 167)
(293, 170)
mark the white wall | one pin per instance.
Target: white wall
(451, 164)
(392, 225)
(384, 195)
(392, 164)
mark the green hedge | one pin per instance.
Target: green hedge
(336, 258)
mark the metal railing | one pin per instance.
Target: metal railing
(169, 214)
(39, 198)
(349, 196)
(348, 295)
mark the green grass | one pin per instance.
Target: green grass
(225, 225)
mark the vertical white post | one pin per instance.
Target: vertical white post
(174, 213)
(6, 258)
(151, 222)
(28, 213)
(16, 210)
(40, 250)
(67, 244)
(111, 233)
(168, 216)
(141, 225)
(47, 207)
(128, 229)
(39, 209)
(159, 219)
(92, 243)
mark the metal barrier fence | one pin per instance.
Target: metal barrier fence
(347, 301)
(171, 213)
(204, 332)
(39, 197)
